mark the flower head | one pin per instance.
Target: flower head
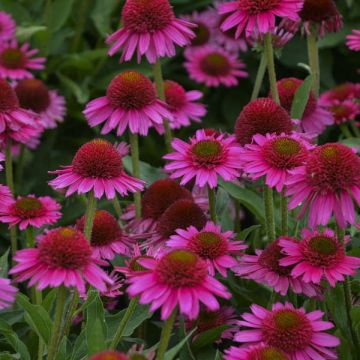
(7, 292)
(149, 28)
(7, 26)
(299, 334)
(204, 158)
(130, 102)
(178, 278)
(257, 352)
(353, 40)
(96, 166)
(63, 257)
(214, 66)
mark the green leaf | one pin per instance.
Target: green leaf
(49, 300)
(171, 354)
(59, 14)
(208, 337)
(101, 15)
(301, 98)
(25, 33)
(4, 264)
(16, 10)
(79, 347)
(81, 93)
(246, 232)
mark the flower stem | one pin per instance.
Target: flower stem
(30, 237)
(124, 321)
(70, 313)
(284, 213)
(159, 82)
(346, 131)
(117, 206)
(56, 330)
(269, 51)
(212, 203)
(269, 213)
(165, 335)
(38, 301)
(259, 77)
(90, 214)
(20, 168)
(313, 54)
(134, 143)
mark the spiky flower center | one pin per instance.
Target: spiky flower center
(207, 152)
(268, 353)
(255, 7)
(318, 10)
(215, 64)
(208, 245)
(12, 58)
(28, 207)
(271, 257)
(131, 90)
(175, 95)
(202, 34)
(8, 98)
(97, 159)
(147, 16)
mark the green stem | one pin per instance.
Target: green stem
(165, 335)
(273, 299)
(212, 203)
(56, 330)
(30, 237)
(70, 313)
(259, 77)
(80, 24)
(124, 321)
(269, 51)
(159, 82)
(20, 168)
(313, 54)
(269, 213)
(346, 131)
(48, 11)
(284, 213)
(90, 214)
(134, 143)
(38, 301)
(355, 129)
(117, 206)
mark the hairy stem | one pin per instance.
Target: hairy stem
(134, 143)
(212, 203)
(165, 335)
(259, 77)
(269, 51)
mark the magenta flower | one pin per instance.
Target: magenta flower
(214, 66)
(299, 334)
(149, 28)
(17, 62)
(96, 166)
(7, 292)
(179, 278)
(130, 102)
(5, 195)
(205, 158)
(326, 184)
(109, 355)
(353, 40)
(63, 257)
(318, 255)
(7, 26)
(217, 248)
(253, 16)
(29, 210)
(257, 352)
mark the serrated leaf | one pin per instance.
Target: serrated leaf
(301, 98)
(171, 354)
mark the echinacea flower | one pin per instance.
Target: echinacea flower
(149, 28)
(262, 116)
(319, 255)
(353, 40)
(107, 238)
(341, 93)
(7, 26)
(179, 278)
(265, 268)
(7, 293)
(97, 166)
(109, 355)
(273, 156)
(17, 62)
(204, 157)
(299, 334)
(29, 210)
(214, 66)
(33, 94)
(215, 247)
(130, 102)
(113, 290)
(327, 183)
(257, 352)
(254, 16)
(5, 195)
(347, 110)
(63, 257)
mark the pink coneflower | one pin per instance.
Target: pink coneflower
(265, 268)
(254, 16)
(149, 28)
(63, 257)
(257, 352)
(130, 102)
(114, 289)
(214, 66)
(340, 93)
(7, 292)
(107, 238)
(17, 62)
(109, 355)
(28, 135)
(353, 40)
(280, 36)
(29, 210)
(7, 26)
(213, 246)
(326, 184)
(179, 278)
(344, 111)
(5, 195)
(318, 255)
(204, 158)
(96, 166)
(299, 334)
(33, 94)
(273, 156)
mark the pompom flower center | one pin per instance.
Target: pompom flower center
(340, 111)
(202, 34)
(65, 248)
(147, 16)
(28, 207)
(270, 258)
(255, 7)
(97, 159)
(175, 95)
(13, 58)
(318, 10)
(8, 98)
(215, 64)
(208, 245)
(131, 90)
(209, 320)
(268, 353)
(207, 152)
(181, 268)
(33, 94)
(288, 330)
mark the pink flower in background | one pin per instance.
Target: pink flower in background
(347, 110)
(97, 166)
(5, 195)
(214, 66)
(7, 26)
(63, 257)
(257, 352)
(353, 40)
(7, 293)
(204, 158)
(17, 62)
(299, 334)
(130, 103)
(179, 278)
(109, 355)
(319, 255)
(149, 28)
